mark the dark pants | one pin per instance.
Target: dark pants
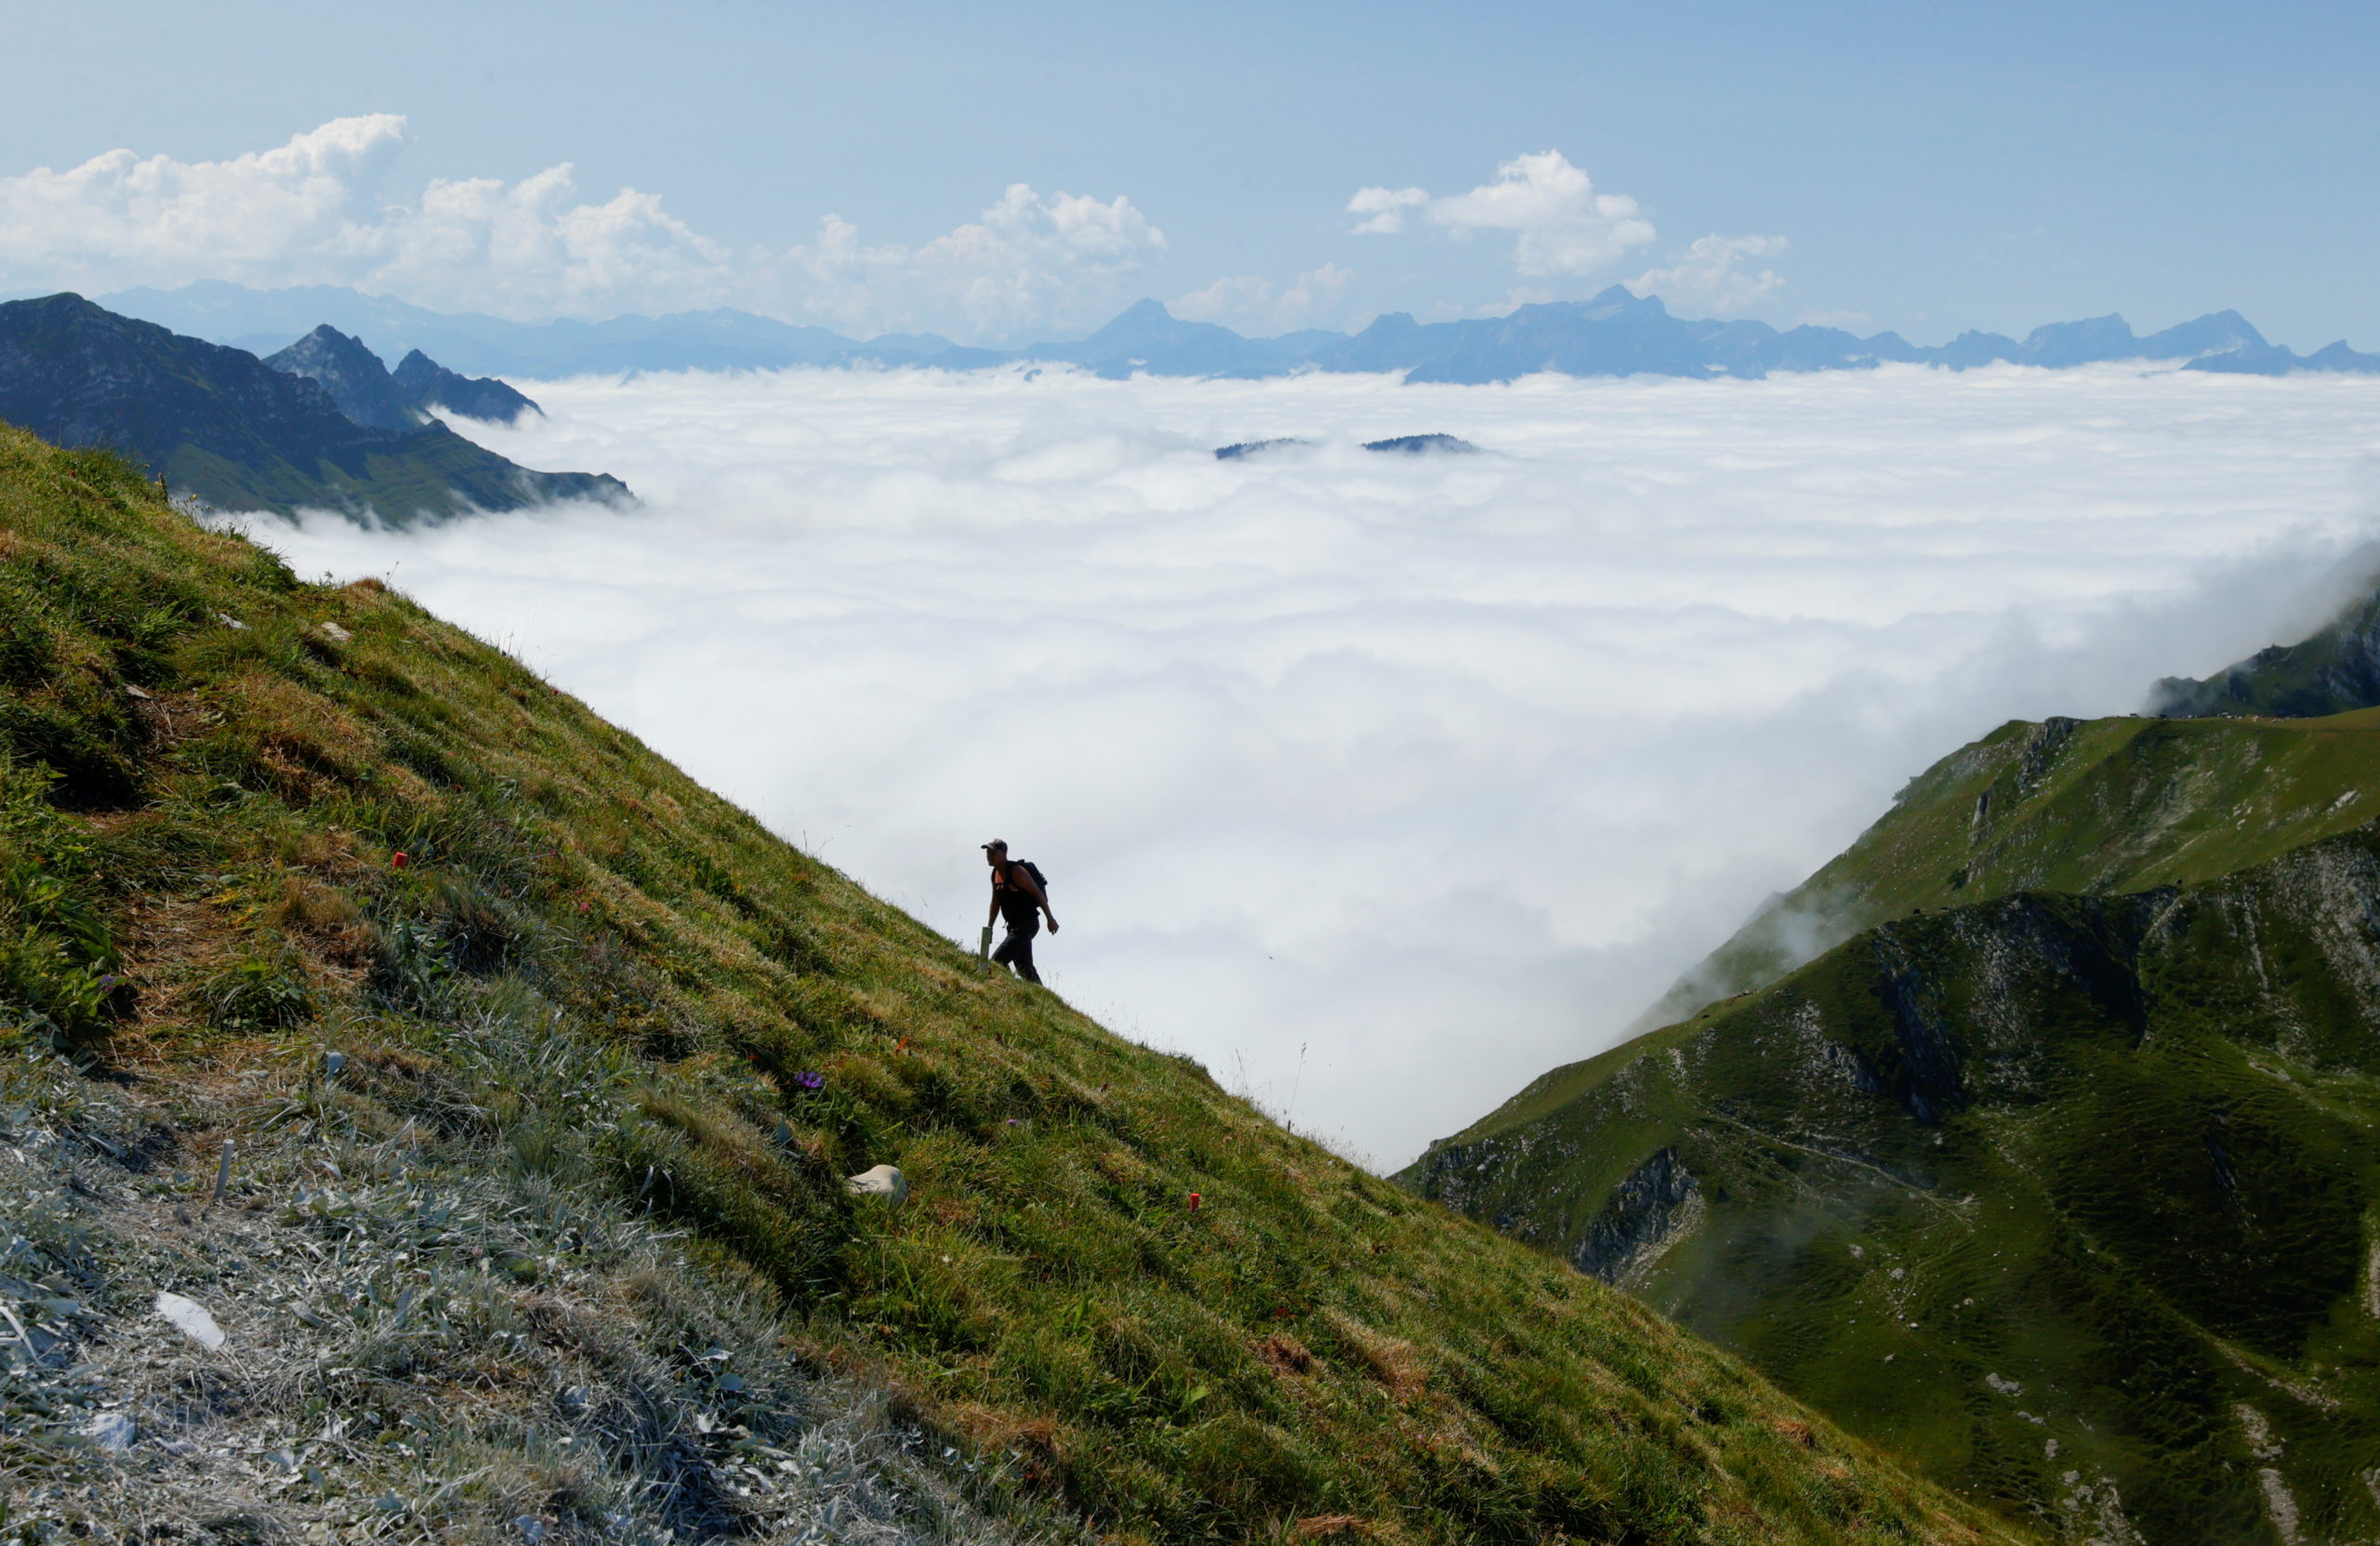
(1016, 947)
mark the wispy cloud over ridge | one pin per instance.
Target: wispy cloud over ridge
(1713, 273)
(1440, 766)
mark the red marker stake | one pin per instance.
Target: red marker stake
(1194, 1202)
(399, 859)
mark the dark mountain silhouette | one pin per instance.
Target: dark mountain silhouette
(221, 424)
(368, 393)
(425, 383)
(1421, 445)
(1242, 450)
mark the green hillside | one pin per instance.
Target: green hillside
(2092, 807)
(2336, 669)
(536, 1212)
(2057, 1172)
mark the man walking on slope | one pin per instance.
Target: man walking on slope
(1017, 896)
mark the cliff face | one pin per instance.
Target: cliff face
(2062, 1192)
(220, 424)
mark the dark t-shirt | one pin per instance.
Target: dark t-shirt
(1009, 884)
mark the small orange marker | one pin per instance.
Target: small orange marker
(1194, 1202)
(399, 859)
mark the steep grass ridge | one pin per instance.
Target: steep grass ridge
(567, 1091)
(2090, 806)
(2071, 1194)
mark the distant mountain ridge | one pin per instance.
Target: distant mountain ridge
(1615, 333)
(221, 424)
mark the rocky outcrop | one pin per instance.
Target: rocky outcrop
(1660, 1201)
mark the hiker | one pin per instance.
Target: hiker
(1018, 897)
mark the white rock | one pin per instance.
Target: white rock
(333, 632)
(881, 1182)
(111, 1431)
(190, 1317)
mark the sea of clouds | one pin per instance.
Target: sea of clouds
(1382, 784)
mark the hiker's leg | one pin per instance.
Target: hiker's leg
(1017, 950)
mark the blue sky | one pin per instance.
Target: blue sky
(1927, 167)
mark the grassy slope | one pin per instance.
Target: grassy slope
(2336, 671)
(2089, 807)
(210, 895)
(2116, 1148)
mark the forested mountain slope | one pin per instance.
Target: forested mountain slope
(543, 1068)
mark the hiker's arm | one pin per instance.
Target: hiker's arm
(1040, 897)
(993, 911)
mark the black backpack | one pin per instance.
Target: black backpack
(1039, 878)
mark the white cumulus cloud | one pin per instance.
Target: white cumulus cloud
(307, 213)
(1030, 260)
(1560, 224)
(1250, 297)
(1715, 274)
(120, 219)
(311, 212)
(1440, 768)
(1383, 209)
(1236, 295)
(1314, 291)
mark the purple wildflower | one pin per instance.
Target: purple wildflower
(808, 1080)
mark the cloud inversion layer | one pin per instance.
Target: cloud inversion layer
(1439, 768)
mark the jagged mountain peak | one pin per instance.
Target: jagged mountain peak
(354, 376)
(240, 434)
